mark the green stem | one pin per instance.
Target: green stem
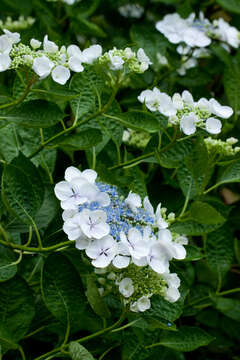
(75, 124)
(211, 188)
(226, 292)
(86, 338)
(20, 349)
(16, 102)
(186, 201)
(139, 158)
(34, 249)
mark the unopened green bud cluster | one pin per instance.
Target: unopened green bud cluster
(21, 23)
(222, 148)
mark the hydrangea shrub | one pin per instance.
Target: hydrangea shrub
(120, 171)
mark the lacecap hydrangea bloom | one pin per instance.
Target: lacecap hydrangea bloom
(182, 110)
(197, 32)
(127, 242)
(46, 58)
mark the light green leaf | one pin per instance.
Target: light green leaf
(95, 300)
(187, 338)
(62, 291)
(34, 114)
(230, 5)
(79, 352)
(219, 250)
(204, 213)
(22, 188)
(230, 174)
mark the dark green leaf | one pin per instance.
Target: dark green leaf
(204, 213)
(79, 352)
(95, 300)
(7, 267)
(82, 140)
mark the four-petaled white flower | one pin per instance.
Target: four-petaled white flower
(141, 304)
(91, 54)
(135, 244)
(14, 38)
(102, 251)
(49, 46)
(93, 223)
(213, 125)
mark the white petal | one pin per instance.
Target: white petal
(90, 175)
(121, 261)
(213, 125)
(92, 53)
(5, 62)
(187, 124)
(172, 294)
(73, 50)
(72, 172)
(148, 206)
(222, 111)
(75, 64)
(143, 303)
(61, 74)
(187, 97)
(63, 190)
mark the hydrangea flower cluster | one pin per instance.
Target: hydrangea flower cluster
(121, 235)
(21, 23)
(59, 62)
(116, 59)
(182, 110)
(197, 32)
(222, 148)
(131, 11)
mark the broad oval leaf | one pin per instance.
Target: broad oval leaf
(230, 5)
(22, 188)
(83, 140)
(204, 213)
(34, 114)
(79, 352)
(62, 291)
(187, 338)
(7, 267)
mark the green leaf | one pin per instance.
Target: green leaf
(139, 120)
(187, 338)
(194, 253)
(190, 227)
(230, 175)
(8, 143)
(16, 311)
(22, 188)
(231, 83)
(219, 250)
(7, 267)
(34, 114)
(79, 352)
(230, 5)
(174, 156)
(228, 307)
(163, 309)
(204, 213)
(89, 85)
(95, 300)
(62, 291)
(83, 140)
(85, 26)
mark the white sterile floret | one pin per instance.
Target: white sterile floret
(5, 45)
(94, 223)
(42, 66)
(144, 59)
(143, 304)
(102, 251)
(116, 62)
(213, 125)
(156, 100)
(173, 27)
(72, 227)
(74, 50)
(133, 201)
(227, 33)
(187, 124)
(91, 54)
(134, 243)
(170, 248)
(172, 293)
(49, 46)
(222, 111)
(159, 221)
(5, 62)
(60, 74)
(14, 38)
(126, 287)
(35, 44)
(187, 98)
